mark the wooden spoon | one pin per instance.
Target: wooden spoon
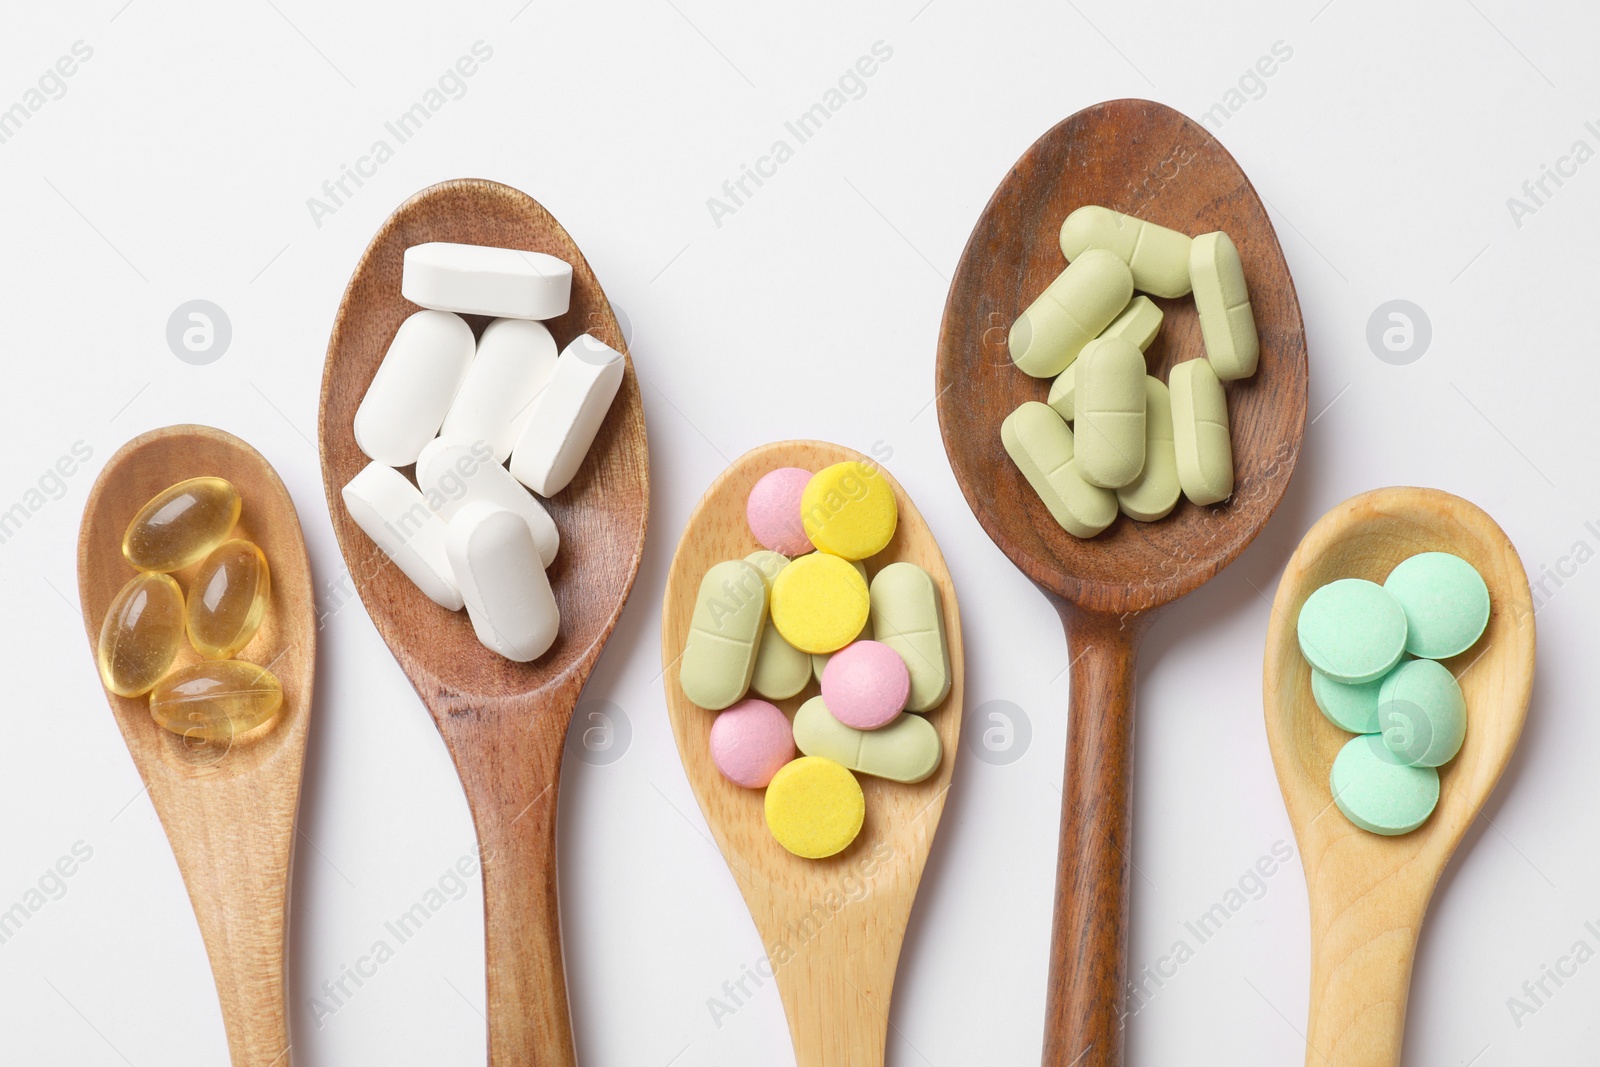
(832, 928)
(1369, 893)
(1147, 160)
(503, 722)
(228, 808)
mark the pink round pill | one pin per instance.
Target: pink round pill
(750, 742)
(865, 685)
(773, 511)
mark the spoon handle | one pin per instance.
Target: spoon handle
(1089, 943)
(1363, 941)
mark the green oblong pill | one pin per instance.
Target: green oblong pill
(907, 750)
(1445, 600)
(1352, 630)
(1377, 792)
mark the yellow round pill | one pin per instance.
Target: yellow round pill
(819, 603)
(815, 807)
(849, 510)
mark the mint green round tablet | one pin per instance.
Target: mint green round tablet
(1445, 600)
(1352, 630)
(1349, 707)
(1379, 793)
(1421, 713)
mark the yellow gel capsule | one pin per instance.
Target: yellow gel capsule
(815, 807)
(228, 599)
(141, 634)
(182, 525)
(849, 510)
(216, 700)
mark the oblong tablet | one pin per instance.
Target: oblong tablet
(1352, 630)
(1226, 322)
(567, 415)
(1071, 312)
(719, 655)
(1157, 257)
(1377, 792)
(1040, 444)
(392, 512)
(907, 616)
(507, 593)
(503, 283)
(1108, 428)
(1445, 600)
(514, 362)
(418, 378)
(1200, 432)
(1139, 322)
(1155, 492)
(781, 670)
(1422, 713)
(907, 750)
(452, 473)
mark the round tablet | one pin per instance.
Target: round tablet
(819, 603)
(750, 742)
(1422, 714)
(849, 510)
(1379, 793)
(815, 807)
(866, 684)
(773, 511)
(1445, 601)
(1352, 630)
(1349, 707)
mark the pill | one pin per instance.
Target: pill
(907, 750)
(781, 669)
(453, 473)
(1108, 431)
(819, 660)
(228, 599)
(1349, 707)
(505, 283)
(751, 742)
(418, 378)
(1422, 713)
(1445, 600)
(1200, 432)
(141, 633)
(819, 603)
(567, 415)
(1352, 630)
(815, 807)
(1041, 446)
(1154, 493)
(1072, 311)
(773, 511)
(395, 515)
(503, 584)
(1377, 792)
(1158, 257)
(181, 524)
(514, 361)
(866, 685)
(906, 616)
(1139, 322)
(1226, 322)
(1062, 392)
(719, 655)
(216, 699)
(849, 510)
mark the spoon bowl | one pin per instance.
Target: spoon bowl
(1143, 159)
(1369, 893)
(833, 927)
(504, 723)
(228, 807)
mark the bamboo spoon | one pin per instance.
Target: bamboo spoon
(835, 966)
(228, 809)
(1369, 893)
(1147, 160)
(503, 722)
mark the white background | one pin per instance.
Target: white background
(177, 165)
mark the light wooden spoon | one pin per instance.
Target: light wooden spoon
(1369, 893)
(503, 722)
(228, 808)
(1147, 160)
(832, 928)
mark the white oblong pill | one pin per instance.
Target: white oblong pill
(514, 361)
(452, 473)
(392, 512)
(418, 378)
(507, 593)
(505, 283)
(567, 415)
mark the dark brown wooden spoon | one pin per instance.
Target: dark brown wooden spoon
(1147, 160)
(504, 723)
